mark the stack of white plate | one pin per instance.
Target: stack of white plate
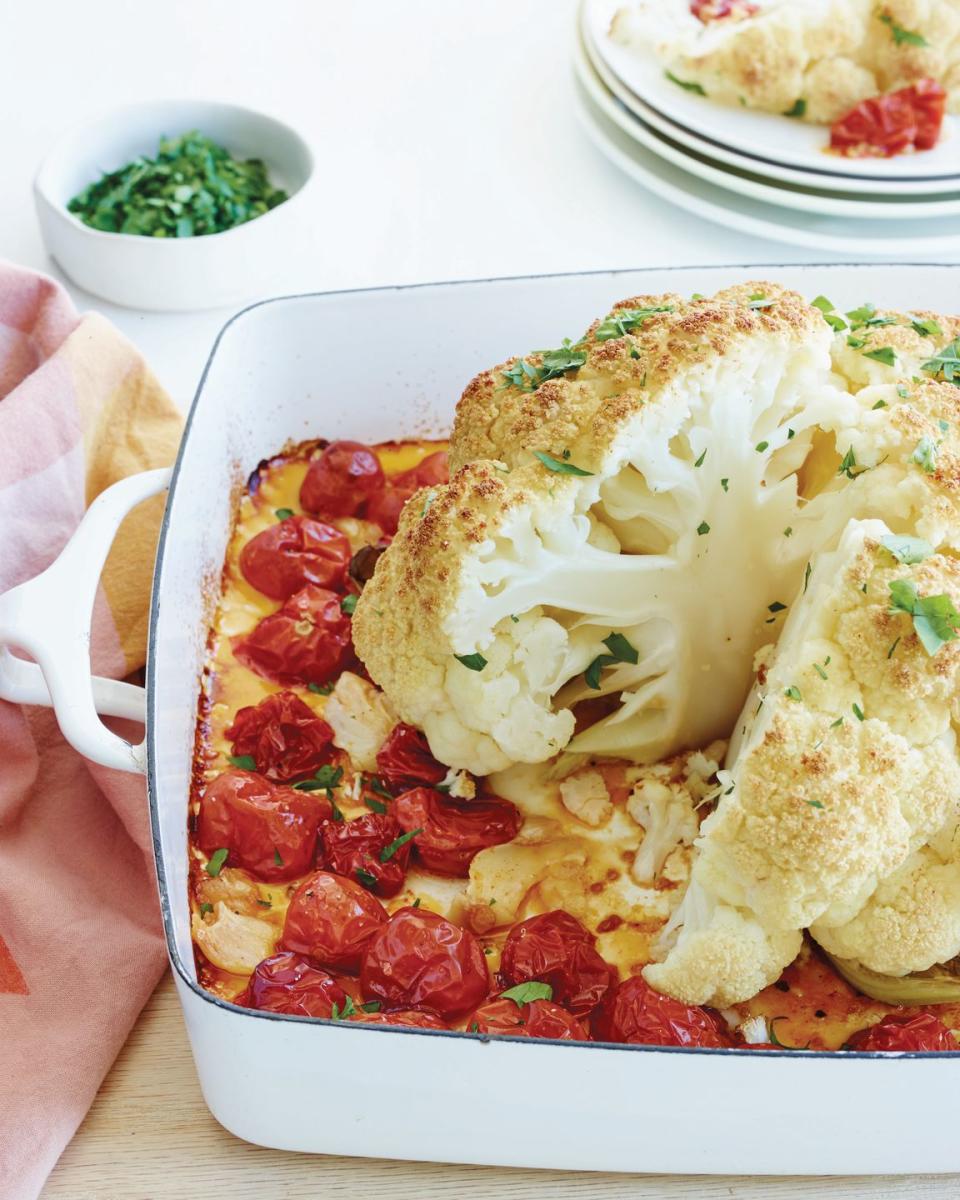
(759, 173)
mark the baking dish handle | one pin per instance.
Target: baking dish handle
(49, 618)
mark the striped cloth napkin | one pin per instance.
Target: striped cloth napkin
(80, 938)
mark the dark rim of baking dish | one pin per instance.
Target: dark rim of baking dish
(152, 725)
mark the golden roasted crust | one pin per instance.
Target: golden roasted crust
(583, 412)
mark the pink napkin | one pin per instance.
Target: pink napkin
(80, 936)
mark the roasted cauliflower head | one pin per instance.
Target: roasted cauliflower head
(627, 519)
(840, 805)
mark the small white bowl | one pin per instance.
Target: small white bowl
(171, 274)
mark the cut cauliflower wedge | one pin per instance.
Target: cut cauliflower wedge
(628, 518)
(842, 765)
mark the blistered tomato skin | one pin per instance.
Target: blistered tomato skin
(635, 1014)
(536, 1019)
(307, 641)
(384, 508)
(268, 829)
(283, 735)
(905, 1031)
(341, 479)
(288, 983)
(331, 919)
(884, 126)
(555, 948)
(453, 832)
(404, 760)
(421, 960)
(299, 550)
(354, 849)
(412, 1018)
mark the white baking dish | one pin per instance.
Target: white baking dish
(391, 363)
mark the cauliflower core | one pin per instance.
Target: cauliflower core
(841, 802)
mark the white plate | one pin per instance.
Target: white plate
(758, 134)
(807, 201)
(873, 188)
(889, 239)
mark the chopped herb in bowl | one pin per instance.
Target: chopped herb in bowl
(193, 187)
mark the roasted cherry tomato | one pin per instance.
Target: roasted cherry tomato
(887, 125)
(385, 506)
(536, 1019)
(555, 948)
(404, 760)
(356, 849)
(453, 832)
(268, 830)
(331, 919)
(282, 559)
(287, 983)
(719, 10)
(634, 1013)
(284, 737)
(412, 1017)
(905, 1031)
(306, 641)
(341, 479)
(421, 960)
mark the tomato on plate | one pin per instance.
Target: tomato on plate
(404, 760)
(412, 1017)
(308, 640)
(453, 832)
(905, 1031)
(356, 849)
(288, 983)
(331, 919)
(299, 550)
(268, 829)
(555, 948)
(342, 477)
(385, 506)
(536, 1019)
(636, 1014)
(718, 10)
(887, 125)
(421, 960)
(284, 737)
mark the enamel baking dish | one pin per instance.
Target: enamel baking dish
(374, 365)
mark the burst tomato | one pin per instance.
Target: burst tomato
(284, 737)
(905, 1031)
(421, 960)
(287, 983)
(268, 830)
(453, 832)
(411, 1017)
(555, 948)
(331, 919)
(385, 506)
(404, 760)
(282, 559)
(718, 10)
(355, 849)
(307, 641)
(341, 479)
(887, 125)
(636, 1014)
(536, 1019)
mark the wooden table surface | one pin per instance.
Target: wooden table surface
(149, 1136)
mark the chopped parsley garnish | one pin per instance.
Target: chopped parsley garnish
(759, 300)
(559, 466)
(325, 780)
(473, 662)
(371, 1006)
(885, 355)
(553, 365)
(901, 36)
(946, 363)
(907, 550)
(725, 484)
(374, 804)
(342, 1014)
(205, 908)
(282, 513)
(277, 859)
(856, 343)
(903, 393)
(848, 465)
(474, 1026)
(620, 651)
(389, 851)
(788, 531)
(348, 604)
(797, 109)
(687, 85)
(832, 318)
(776, 607)
(893, 645)
(627, 320)
(217, 859)
(703, 528)
(806, 576)
(860, 316)
(245, 762)
(858, 712)
(265, 904)
(523, 993)
(926, 327)
(365, 878)
(814, 803)
(935, 619)
(793, 692)
(837, 723)
(699, 462)
(820, 671)
(761, 446)
(925, 455)
(320, 689)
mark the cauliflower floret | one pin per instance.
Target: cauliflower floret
(235, 942)
(668, 817)
(832, 783)
(599, 550)
(585, 795)
(361, 718)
